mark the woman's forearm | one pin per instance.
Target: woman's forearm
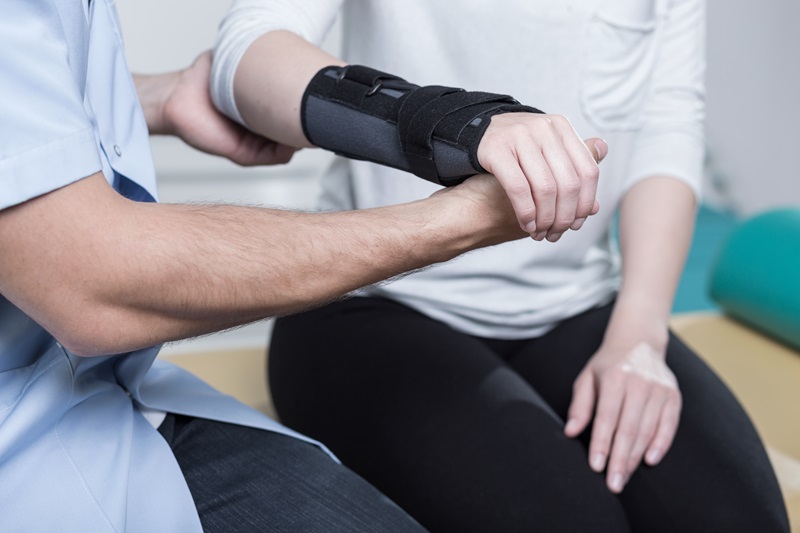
(270, 81)
(656, 221)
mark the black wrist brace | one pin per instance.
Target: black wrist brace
(432, 131)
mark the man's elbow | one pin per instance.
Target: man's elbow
(90, 332)
(86, 345)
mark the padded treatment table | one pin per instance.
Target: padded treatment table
(755, 346)
(765, 377)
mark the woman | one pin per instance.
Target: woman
(474, 393)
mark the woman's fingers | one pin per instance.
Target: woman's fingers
(588, 172)
(552, 182)
(638, 408)
(651, 418)
(568, 189)
(667, 427)
(582, 405)
(520, 191)
(609, 405)
(625, 433)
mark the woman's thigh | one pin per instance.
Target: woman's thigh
(435, 419)
(716, 476)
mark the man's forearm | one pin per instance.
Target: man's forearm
(114, 275)
(656, 223)
(153, 91)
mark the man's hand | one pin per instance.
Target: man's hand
(638, 408)
(549, 174)
(493, 216)
(179, 104)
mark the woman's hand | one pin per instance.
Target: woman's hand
(637, 409)
(179, 103)
(549, 174)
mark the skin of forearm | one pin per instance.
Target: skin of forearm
(113, 275)
(270, 103)
(153, 91)
(656, 222)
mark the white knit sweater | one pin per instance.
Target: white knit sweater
(628, 70)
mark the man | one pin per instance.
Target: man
(93, 274)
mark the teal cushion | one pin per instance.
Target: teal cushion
(757, 277)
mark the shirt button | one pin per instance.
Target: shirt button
(118, 150)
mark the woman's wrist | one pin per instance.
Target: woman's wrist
(637, 321)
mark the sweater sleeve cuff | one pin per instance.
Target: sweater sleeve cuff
(246, 21)
(678, 155)
(228, 52)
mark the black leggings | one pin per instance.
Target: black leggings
(466, 433)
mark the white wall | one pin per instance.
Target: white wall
(754, 101)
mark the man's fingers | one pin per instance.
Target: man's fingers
(253, 150)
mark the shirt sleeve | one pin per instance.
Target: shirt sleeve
(671, 141)
(46, 138)
(246, 21)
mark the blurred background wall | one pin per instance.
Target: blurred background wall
(753, 108)
(753, 114)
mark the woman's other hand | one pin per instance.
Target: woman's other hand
(636, 404)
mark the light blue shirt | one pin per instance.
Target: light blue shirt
(75, 452)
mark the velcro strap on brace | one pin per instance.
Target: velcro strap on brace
(432, 131)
